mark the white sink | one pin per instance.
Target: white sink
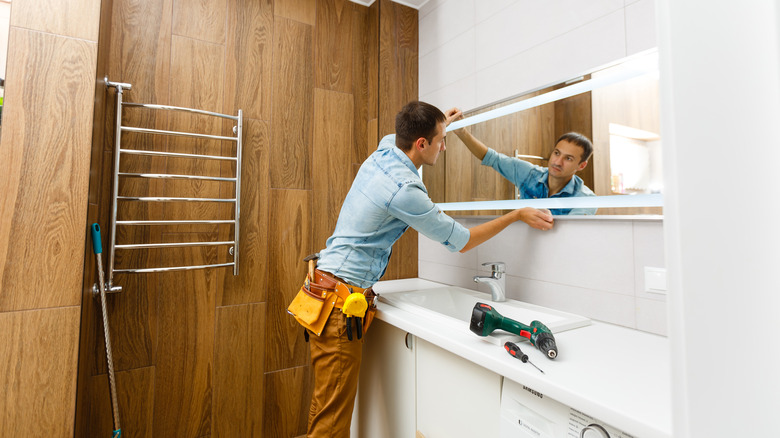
(453, 305)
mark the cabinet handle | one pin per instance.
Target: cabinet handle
(408, 340)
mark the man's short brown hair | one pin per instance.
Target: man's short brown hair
(581, 141)
(416, 119)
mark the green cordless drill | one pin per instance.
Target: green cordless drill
(485, 319)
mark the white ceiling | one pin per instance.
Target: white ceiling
(416, 4)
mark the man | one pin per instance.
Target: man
(386, 197)
(570, 155)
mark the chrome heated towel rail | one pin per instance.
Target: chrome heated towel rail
(120, 150)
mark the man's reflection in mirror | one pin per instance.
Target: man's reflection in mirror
(569, 156)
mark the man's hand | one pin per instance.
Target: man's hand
(452, 114)
(476, 147)
(541, 219)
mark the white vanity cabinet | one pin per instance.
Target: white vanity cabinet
(450, 383)
(385, 406)
(409, 385)
(456, 398)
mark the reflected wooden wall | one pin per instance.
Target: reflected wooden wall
(530, 132)
(204, 353)
(633, 103)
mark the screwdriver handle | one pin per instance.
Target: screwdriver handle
(515, 351)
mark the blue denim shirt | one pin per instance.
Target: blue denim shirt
(531, 181)
(387, 197)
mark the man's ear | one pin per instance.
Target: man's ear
(582, 165)
(419, 144)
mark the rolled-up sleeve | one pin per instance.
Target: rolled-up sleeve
(515, 170)
(412, 205)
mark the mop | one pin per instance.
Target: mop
(98, 247)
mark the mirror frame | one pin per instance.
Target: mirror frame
(639, 65)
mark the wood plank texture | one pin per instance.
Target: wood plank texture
(289, 240)
(140, 54)
(197, 71)
(73, 18)
(86, 332)
(333, 45)
(44, 169)
(197, 74)
(365, 51)
(287, 414)
(251, 285)
(200, 19)
(185, 360)
(141, 50)
(403, 262)
(303, 11)
(332, 147)
(397, 85)
(631, 103)
(238, 371)
(372, 48)
(135, 395)
(292, 105)
(575, 115)
(249, 57)
(132, 316)
(38, 372)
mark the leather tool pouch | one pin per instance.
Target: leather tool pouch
(368, 318)
(314, 302)
(311, 307)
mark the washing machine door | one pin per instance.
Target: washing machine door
(594, 431)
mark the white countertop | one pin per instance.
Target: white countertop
(619, 375)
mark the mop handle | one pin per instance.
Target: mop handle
(97, 246)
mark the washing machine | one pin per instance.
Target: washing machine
(527, 413)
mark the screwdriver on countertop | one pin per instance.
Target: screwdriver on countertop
(515, 352)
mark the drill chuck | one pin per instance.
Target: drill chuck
(545, 342)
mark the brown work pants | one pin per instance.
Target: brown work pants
(335, 361)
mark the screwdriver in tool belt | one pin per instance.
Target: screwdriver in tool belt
(515, 352)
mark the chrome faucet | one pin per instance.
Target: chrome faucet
(496, 280)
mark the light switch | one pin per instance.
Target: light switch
(655, 280)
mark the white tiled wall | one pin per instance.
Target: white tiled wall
(588, 266)
(476, 52)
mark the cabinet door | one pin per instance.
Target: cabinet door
(455, 398)
(385, 406)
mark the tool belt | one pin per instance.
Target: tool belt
(321, 292)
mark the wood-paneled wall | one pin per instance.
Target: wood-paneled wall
(398, 54)
(204, 353)
(44, 174)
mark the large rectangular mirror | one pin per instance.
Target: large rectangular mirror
(616, 106)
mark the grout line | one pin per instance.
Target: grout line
(16, 311)
(285, 369)
(43, 32)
